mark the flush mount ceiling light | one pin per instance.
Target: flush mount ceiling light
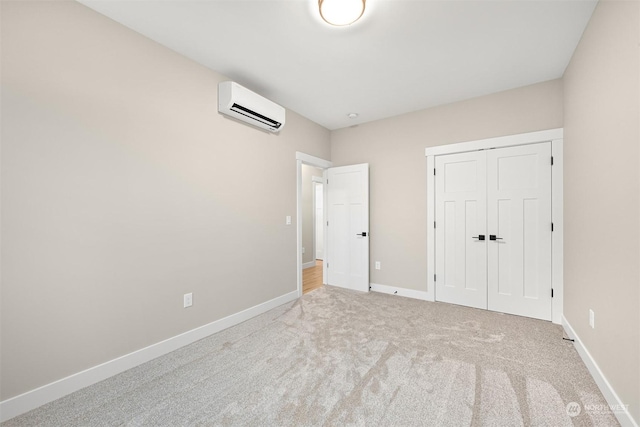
(352, 115)
(341, 12)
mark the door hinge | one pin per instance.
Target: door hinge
(327, 265)
(434, 171)
(551, 160)
(552, 227)
(327, 181)
(434, 224)
(551, 292)
(434, 277)
(327, 223)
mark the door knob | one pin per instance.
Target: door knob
(363, 234)
(493, 237)
(479, 237)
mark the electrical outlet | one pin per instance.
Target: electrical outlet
(303, 249)
(592, 319)
(377, 265)
(188, 300)
(287, 220)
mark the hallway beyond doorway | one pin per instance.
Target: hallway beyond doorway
(312, 277)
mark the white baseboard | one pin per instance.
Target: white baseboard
(610, 395)
(403, 292)
(32, 399)
(309, 264)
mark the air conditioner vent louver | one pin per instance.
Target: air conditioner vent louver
(242, 104)
(255, 116)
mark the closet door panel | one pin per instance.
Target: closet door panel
(461, 207)
(519, 228)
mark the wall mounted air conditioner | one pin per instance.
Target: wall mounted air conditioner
(242, 104)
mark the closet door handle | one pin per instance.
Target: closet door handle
(479, 237)
(363, 234)
(493, 237)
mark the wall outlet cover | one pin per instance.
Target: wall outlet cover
(188, 300)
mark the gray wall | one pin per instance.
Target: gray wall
(123, 189)
(394, 149)
(602, 194)
(308, 172)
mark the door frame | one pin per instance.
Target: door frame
(555, 136)
(315, 180)
(307, 159)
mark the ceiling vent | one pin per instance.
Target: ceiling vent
(242, 104)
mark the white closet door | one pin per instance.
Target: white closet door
(519, 218)
(461, 257)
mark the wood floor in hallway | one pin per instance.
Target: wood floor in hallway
(312, 277)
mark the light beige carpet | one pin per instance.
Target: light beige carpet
(337, 357)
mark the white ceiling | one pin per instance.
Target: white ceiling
(402, 56)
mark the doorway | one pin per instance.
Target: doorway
(345, 223)
(312, 220)
(319, 164)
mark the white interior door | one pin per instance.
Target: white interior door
(347, 245)
(519, 218)
(461, 222)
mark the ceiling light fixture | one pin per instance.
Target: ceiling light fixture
(352, 115)
(341, 12)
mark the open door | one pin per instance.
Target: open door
(347, 244)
